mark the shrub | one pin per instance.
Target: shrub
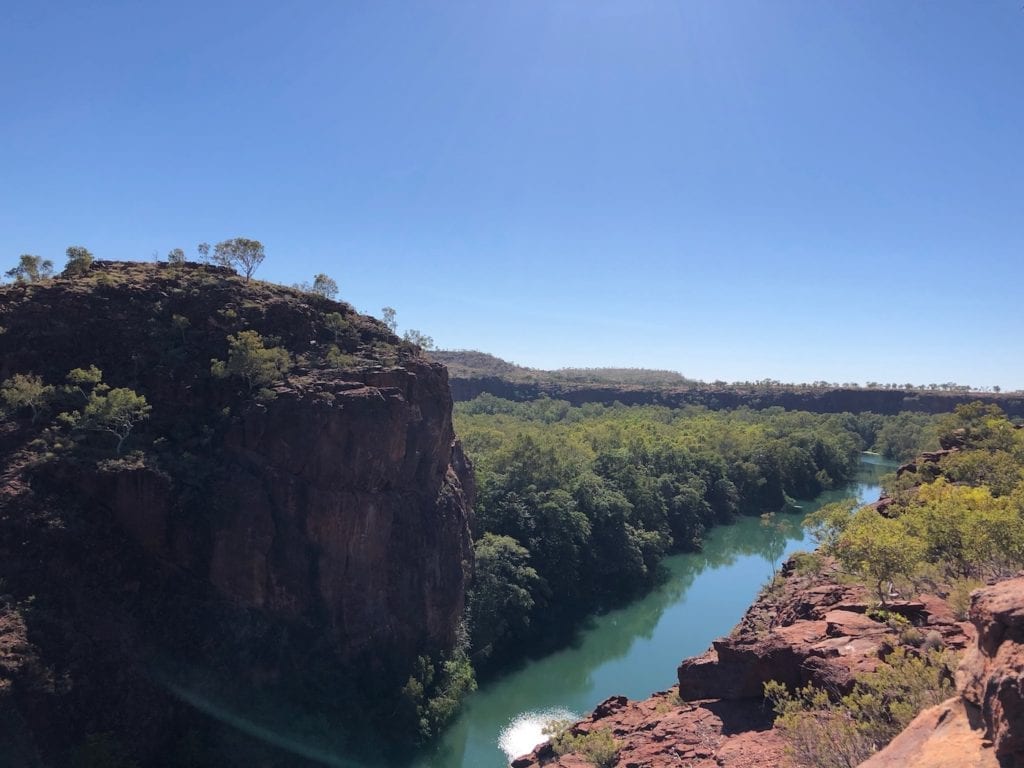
(597, 747)
(808, 563)
(827, 733)
(257, 365)
(335, 358)
(912, 636)
(26, 391)
(960, 596)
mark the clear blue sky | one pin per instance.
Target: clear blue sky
(737, 190)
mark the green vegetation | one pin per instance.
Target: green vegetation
(434, 692)
(824, 732)
(903, 436)
(79, 261)
(418, 339)
(239, 253)
(176, 256)
(470, 363)
(503, 587)
(114, 411)
(31, 269)
(597, 747)
(953, 524)
(577, 506)
(100, 409)
(959, 518)
(26, 391)
(252, 361)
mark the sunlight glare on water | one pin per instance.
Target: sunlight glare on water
(526, 730)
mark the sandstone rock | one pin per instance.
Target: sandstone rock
(815, 642)
(947, 735)
(991, 676)
(806, 632)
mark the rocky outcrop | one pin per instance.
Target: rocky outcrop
(992, 675)
(810, 633)
(808, 630)
(301, 548)
(661, 731)
(819, 633)
(984, 725)
(947, 735)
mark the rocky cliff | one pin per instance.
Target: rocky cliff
(302, 547)
(984, 725)
(817, 631)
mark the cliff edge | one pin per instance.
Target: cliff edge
(817, 631)
(301, 545)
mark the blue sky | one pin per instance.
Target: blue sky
(789, 190)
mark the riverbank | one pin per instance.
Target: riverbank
(807, 629)
(632, 650)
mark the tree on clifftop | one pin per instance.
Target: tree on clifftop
(239, 252)
(325, 286)
(79, 260)
(31, 269)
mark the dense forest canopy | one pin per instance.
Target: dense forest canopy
(577, 506)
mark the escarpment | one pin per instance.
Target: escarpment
(299, 543)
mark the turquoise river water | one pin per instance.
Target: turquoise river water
(634, 651)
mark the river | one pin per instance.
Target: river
(634, 651)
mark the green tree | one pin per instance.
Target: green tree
(116, 412)
(239, 252)
(387, 314)
(176, 256)
(878, 548)
(79, 261)
(324, 286)
(81, 379)
(31, 269)
(501, 599)
(256, 364)
(419, 339)
(26, 391)
(203, 249)
(827, 523)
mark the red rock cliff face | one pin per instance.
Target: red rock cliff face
(311, 541)
(348, 503)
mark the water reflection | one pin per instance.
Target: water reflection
(634, 650)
